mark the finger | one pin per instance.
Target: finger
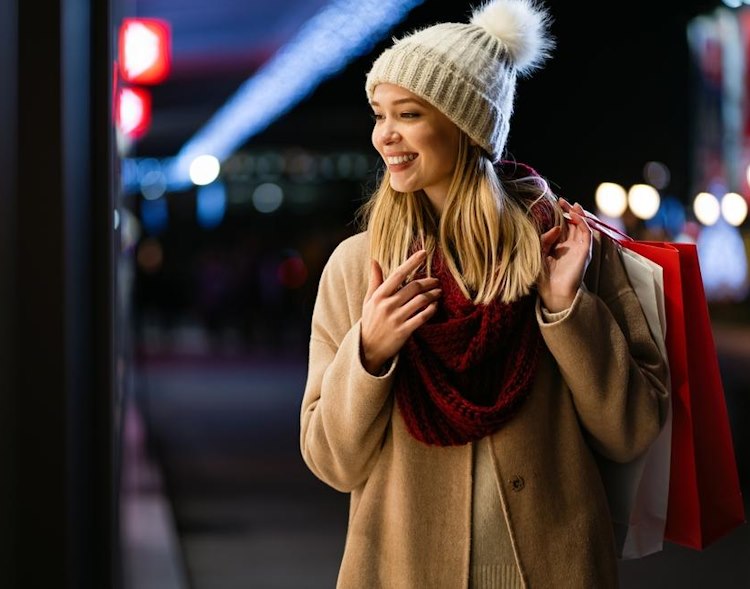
(549, 238)
(580, 219)
(587, 234)
(417, 303)
(570, 209)
(580, 210)
(420, 318)
(567, 211)
(400, 274)
(576, 215)
(581, 233)
(376, 279)
(414, 288)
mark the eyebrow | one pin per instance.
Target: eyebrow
(399, 101)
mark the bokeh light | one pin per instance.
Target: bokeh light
(268, 197)
(643, 201)
(150, 255)
(723, 262)
(134, 112)
(154, 215)
(153, 184)
(734, 208)
(657, 175)
(292, 272)
(211, 205)
(670, 216)
(706, 208)
(204, 169)
(611, 199)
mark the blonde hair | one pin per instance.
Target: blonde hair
(488, 237)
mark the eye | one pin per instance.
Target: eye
(376, 117)
(409, 115)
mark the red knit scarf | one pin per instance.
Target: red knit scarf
(468, 370)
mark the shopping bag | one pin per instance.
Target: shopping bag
(705, 501)
(638, 491)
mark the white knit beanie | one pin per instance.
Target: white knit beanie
(468, 70)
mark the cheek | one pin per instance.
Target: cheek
(447, 154)
(444, 143)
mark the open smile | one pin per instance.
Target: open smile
(400, 162)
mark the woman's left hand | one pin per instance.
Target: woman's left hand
(566, 258)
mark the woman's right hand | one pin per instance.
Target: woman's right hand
(391, 312)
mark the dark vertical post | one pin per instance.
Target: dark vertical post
(8, 301)
(56, 287)
(89, 266)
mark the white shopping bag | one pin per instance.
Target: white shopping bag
(638, 491)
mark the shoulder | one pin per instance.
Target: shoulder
(351, 255)
(353, 249)
(343, 283)
(348, 264)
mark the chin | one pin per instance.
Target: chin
(402, 187)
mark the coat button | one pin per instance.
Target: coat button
(517, 483)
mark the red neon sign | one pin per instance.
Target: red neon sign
(145, 54)
(134, 112)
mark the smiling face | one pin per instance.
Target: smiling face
(418, 143)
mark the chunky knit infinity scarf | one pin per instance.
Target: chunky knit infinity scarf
(466, 371)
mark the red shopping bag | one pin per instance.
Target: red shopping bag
(705, 501)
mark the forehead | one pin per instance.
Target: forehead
(390, 93)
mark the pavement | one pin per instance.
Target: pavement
(247, 513)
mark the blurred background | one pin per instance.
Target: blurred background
(237, 154)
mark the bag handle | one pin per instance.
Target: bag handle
(611, 232)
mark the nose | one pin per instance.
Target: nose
(387, 134)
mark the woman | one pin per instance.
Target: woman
(464, 377)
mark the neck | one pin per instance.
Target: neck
(437, 200)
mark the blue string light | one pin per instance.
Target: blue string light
(338, 33)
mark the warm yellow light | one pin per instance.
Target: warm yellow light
(706, 208)
(643, 200)
(734, 208)
(611, 199)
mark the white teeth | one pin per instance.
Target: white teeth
(400, 159)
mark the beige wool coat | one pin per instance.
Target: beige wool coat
(599, 389)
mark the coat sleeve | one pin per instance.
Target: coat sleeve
(609, 360)
(345, 409)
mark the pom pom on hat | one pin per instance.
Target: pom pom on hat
(521, 25)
